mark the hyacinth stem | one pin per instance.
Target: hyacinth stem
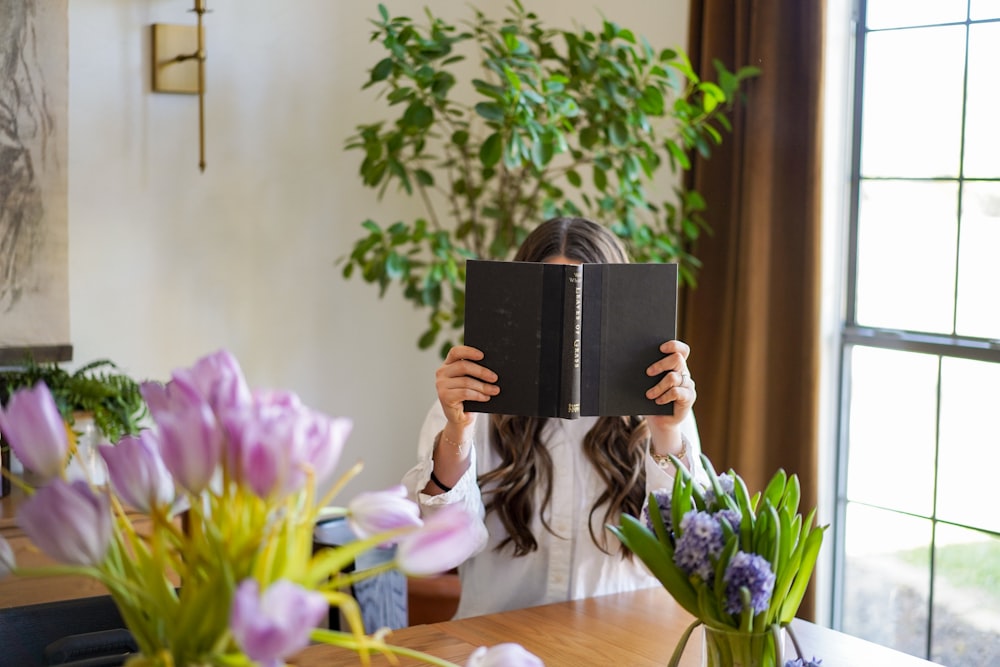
(735, 648)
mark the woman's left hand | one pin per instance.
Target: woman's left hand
(676, 385)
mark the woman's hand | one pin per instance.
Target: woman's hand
(460, 379)
(676, 385)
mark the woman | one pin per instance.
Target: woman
(546, 488)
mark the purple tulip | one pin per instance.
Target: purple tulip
(137, 471)
(191, 438)
(374, 512)
(36, 431)
(275, 625)
(219, 379)
(264, 447)
(503, 655)
(447, 538)
(275, 440)
(7, 560)
(324, 439)
(68, 521)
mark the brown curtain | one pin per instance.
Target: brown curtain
(753, 319)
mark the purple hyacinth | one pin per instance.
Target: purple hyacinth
(728, 485)
(753, 572)
(662, 497)
(802, 662)
(699, 545)
(732, 517)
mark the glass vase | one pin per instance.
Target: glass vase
(732, 648)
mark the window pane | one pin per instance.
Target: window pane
(892, 417)
(907, 232)
(966, 622)
(979, 270)
(900, 13)
(905, 132)
(982, 134)
(887, 578)
(984, 9)
(970, 443)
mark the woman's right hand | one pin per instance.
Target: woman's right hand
(460, 379)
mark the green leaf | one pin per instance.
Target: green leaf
(418, 115)
(490, 111)
(791, 603)
(574, 178)
(460, 137)
(492, 150)
(678, 155)
(382, 70)
(634, 535)
(424, 177)
(776, 487)
(618, 133)
(600, 178)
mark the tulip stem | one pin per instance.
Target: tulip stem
(17, 481)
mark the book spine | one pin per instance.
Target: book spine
(569, 400)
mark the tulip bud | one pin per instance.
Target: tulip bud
(277, 624)
(219, 379)
(68, 521)
(374, 512)
(35, 430)
(503, 655)
(190, 436)
(447, 538)
(137, 472)
(324, 439)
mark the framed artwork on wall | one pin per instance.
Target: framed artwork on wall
(34, 261)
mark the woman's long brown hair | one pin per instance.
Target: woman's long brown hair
(615, 446)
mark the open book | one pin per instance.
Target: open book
(570, 340)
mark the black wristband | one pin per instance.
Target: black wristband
(440, 484)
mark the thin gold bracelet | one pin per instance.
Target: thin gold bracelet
(457, 445)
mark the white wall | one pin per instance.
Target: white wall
(168, 264)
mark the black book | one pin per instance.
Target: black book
(570, 340)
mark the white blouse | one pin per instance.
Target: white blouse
(567, 565)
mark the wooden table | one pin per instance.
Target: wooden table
(628, 629)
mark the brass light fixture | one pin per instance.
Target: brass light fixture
(179, 65)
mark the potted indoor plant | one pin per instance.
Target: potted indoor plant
(98, 399)
(554, 122)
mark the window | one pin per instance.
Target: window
(917, 532)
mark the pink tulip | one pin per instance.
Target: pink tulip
(275, 625)
(35, 430)
(447, 538)
(7, 561)
(374, 512)
(137, 471)
(68, 521)
(219, 379)
(191, 438)
(503, 655)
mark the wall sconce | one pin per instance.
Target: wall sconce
(179, 65)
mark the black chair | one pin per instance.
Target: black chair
(383, 597)
(86, 632)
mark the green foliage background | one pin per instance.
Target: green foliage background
(562, 122)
